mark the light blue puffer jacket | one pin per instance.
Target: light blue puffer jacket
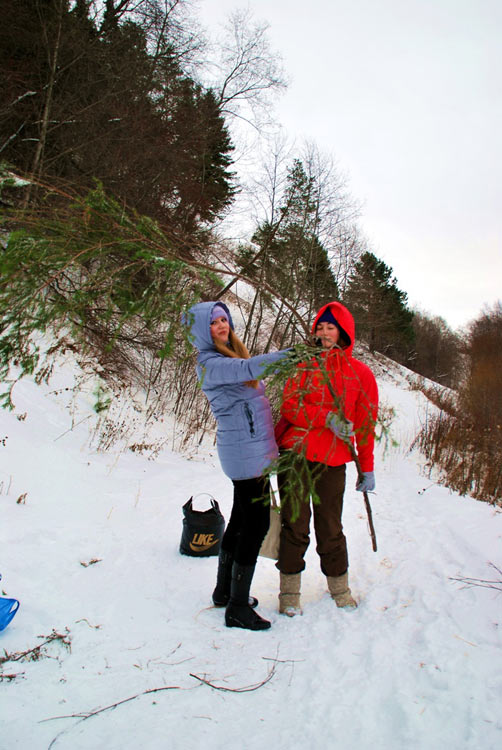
(245, 431)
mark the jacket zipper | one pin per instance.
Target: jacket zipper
(249, 415)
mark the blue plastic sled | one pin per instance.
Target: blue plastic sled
(8, 608)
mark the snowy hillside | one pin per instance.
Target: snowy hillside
(89, 545)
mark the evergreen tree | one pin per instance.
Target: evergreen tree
(83, 101)
(380, 311)
(293, 259)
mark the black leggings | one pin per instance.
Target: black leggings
(249, 520)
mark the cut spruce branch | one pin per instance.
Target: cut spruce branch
(102, 273)
(265, 287)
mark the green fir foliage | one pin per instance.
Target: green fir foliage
(101, 91)
(293, 259)
(103, 399)
(299, 478)
(380, 309)
(91, 270)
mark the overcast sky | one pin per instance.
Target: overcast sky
(406, 96)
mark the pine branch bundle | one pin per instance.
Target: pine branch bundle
(110, 279)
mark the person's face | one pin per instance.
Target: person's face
(328, 333)
(220, 329)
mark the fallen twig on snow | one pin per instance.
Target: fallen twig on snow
(88, 714)
(465, 640)
(246, 689)
(282, 661)
(84, 619)
(36, 653)
(481, 582)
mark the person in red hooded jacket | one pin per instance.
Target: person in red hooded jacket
(321, 419)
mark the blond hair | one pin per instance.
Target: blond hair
(235, 349)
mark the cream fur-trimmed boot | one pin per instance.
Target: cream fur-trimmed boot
(339, 589)
(289, 597)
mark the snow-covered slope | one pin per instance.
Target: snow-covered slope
(89, 545)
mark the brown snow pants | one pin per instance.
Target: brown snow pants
(329, 484)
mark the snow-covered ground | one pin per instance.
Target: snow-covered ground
(91, 552)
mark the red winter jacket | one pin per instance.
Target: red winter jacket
(307, 402)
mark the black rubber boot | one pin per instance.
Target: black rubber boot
(221, 593)
(238, 613)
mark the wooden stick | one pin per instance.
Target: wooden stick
(367, 505)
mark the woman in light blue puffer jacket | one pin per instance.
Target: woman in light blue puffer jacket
(230, 379)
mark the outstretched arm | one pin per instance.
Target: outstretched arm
(216, 369)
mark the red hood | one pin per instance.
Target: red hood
(343, 317)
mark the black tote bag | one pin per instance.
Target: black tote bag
(202, 529)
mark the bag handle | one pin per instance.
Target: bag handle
(214, 503)
(202, 493)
